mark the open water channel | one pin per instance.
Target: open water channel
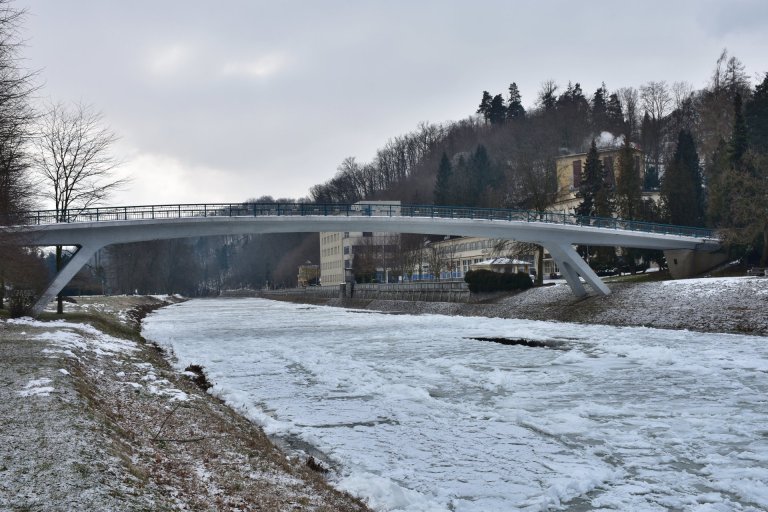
(415, 414)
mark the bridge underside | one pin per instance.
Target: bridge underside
(557, 239)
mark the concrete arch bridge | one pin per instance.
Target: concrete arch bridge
(91, 229)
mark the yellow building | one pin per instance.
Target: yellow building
(570, 170)
(309, 274)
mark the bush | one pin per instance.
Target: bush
(21, 303)
(481, 281)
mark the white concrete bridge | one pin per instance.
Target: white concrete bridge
(94, 228)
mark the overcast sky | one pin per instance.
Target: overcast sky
(224, 101)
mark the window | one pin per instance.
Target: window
(576, 173)
(610, 176)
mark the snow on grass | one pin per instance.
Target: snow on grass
(419, 416)
(37, 387)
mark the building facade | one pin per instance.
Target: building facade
(374, 251)
(570, 170)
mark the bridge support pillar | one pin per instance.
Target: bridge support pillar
(73, 266)
(572, 266)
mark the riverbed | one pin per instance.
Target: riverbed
(415, 413)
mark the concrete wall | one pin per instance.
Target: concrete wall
(684, 263)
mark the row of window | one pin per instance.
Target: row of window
(471, 246)
(327, 265)
(331, 238)
(330, 251)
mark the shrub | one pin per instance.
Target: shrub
(481, 281)
(21, 303)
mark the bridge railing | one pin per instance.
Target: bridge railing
(178, 211)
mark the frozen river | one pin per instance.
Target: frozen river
(417, 416)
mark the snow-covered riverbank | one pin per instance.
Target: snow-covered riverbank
(726, 305)
(98, 421)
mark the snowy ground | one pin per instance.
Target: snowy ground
(417, 417)
(734, 305)
(90, 421)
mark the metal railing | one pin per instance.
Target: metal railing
(178, 211)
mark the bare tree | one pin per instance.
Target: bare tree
(681, 92)
(630, 99)
(73, 156)
(655, 99)
(547, 97)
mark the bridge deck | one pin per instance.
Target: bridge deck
(177, 211)
(93, 228)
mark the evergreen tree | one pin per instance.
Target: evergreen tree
(481, 174)
(681, 188)
(591, 183)
(573, 113)
(615, 115)
(600, 110)
(485, 106)
(515, 108)
(497, 112)
(443, 193)
(756, 116)
(717, 200)
(652, 180)
(629, 196)
(744, 186)
(462, 182)
(739, 138)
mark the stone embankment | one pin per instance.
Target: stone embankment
(728, 305)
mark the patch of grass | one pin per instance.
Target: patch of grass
(103, 323)
(82, 469)
(200, 379)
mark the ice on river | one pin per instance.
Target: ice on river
(418, 417)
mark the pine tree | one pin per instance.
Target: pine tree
(681, 188)
(739, 137)
(497, 112)
(615, 115)
(745, 184)
(480, 178)
(591, 183)
(573, 112)
(718, 204)
(600, 110)
(629, 195)
(485, 106)
(756, 116)
(515, 108)
(442, 191)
